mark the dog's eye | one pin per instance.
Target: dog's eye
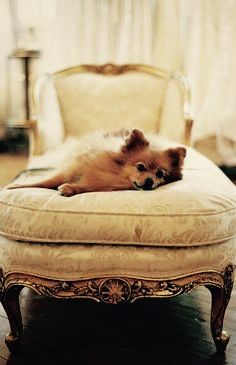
(160, 174)
(141, 167)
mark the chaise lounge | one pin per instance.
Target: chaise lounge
(116, 247)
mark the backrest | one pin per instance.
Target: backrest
(87, 98)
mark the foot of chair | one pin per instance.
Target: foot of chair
(12, 341)
(10, 302)
(220, 300)
(221, 341)
(218, 308)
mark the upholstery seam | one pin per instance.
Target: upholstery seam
(122, 243)
(115, 214)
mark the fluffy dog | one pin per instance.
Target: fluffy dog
(135, 165)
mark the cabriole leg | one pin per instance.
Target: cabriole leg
(218, 308)
(10, 302)
(220, 299)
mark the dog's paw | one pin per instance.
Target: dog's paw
(66, 190)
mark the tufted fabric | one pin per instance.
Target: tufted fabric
(80, 261)
(198, 210)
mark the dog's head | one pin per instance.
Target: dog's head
(147, 169)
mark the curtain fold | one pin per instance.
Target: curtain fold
(210, 65)
(6, 47)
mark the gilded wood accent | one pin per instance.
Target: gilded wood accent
(220, 299)
(115, 290)
(109, 69)
(125, 289)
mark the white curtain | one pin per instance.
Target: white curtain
(196, 37)
(208, 39)
(99, 31)
(6, 46)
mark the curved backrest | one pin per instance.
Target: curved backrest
(86, 98)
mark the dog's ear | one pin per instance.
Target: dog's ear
(176, 156)
(117, 157)
(135, 140)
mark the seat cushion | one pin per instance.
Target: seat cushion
(198, 210)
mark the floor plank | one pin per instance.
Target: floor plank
(154, 331)
(11, 164)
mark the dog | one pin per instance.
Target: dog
(134, 165)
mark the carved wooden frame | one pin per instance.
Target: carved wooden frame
(114, 290)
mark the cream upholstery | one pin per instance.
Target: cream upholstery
(126, 217)
(123, 245)
(80, 103)
(86, 261)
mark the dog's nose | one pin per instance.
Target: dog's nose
(148, 182)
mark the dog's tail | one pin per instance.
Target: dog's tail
(50, 183)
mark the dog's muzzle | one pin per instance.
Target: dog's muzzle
(148, 184)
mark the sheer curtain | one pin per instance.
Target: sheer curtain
(98, 31)
(209, 61)
(196, 37)
(6, 45)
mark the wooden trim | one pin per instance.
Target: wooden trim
(110, 289)
(116, 290)
(110, 69)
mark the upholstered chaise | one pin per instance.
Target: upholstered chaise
(119, 246)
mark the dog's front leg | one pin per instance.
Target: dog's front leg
(70, 189)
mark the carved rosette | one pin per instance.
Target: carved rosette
(114, 291)
(110, 69)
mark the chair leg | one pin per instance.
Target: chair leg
(218, 308)
(10, 302)
(220, 299)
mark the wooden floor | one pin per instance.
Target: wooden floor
(155, 331)
(10, 165)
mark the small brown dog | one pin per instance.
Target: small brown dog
(134, 166)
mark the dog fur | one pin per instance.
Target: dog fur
(135, 165)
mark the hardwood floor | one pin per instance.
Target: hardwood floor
(11, 164)
(161, 331)
(156, 331)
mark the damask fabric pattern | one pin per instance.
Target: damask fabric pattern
(81, 115)
(86, 261)
(68, 107)
(198, 210)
